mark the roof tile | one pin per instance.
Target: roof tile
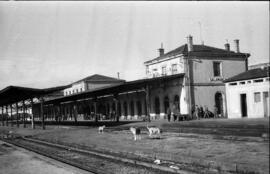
(250, 74)
(197, 50)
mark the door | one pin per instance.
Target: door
(266, 104)
(243, 102)
(157, 106)
(219, 103)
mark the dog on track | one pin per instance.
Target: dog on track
(136, 133)
(153, 131)
(101, 129)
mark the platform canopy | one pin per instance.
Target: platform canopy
(115, 89)
(13, 94)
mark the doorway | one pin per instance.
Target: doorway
(157, 106)
(166, 104)
(132, 108)
(219, 103)
(266, 104)
(243, 102)
(139, 107)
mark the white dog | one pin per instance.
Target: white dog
(101, 129)
(136, 133)
(153, 131)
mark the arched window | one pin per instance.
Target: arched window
(132, 108)
(157, 106)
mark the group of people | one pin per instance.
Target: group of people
(198, 112)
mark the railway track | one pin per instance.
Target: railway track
(89, 160)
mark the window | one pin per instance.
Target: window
(147, 69)
(81, 89)
(257, 81)
(217, 69)
(164, 72)
(155, 73)
(77, 90)
(69, 92)
(257, 97)
(174, 68)
(232, 84)
(242, 83)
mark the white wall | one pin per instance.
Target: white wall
(74, 87)
(168, 64)
(254, 110)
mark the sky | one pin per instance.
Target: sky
(47, 44)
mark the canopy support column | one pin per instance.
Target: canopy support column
(75, 110)
(2, 115)
(116, 107)
(41, 112)
(7, 115)
(33, 117)
(95, 110)
(17, 114)
(23, 114)
(147, 100)
(11, 119)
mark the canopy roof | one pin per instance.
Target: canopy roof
(250, 74)
(115, 89)
(13, 94)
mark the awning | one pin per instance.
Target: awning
(13, 94)
(115, 89)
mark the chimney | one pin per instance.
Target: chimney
(190, 43)
(236, 46)
(161, 50)
(227, 46)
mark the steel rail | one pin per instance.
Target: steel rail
(94, 169)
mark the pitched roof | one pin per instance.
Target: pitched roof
(200, 50)
(250, 74)
(100, 78)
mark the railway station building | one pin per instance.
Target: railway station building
(180, 79)
(248, 94)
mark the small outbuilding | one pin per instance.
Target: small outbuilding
(248, 94)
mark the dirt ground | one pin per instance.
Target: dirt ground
(244, 153)
(17, 161)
